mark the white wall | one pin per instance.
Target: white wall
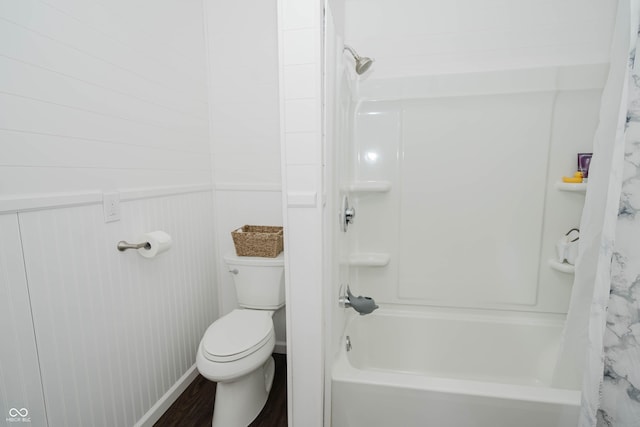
(104, 96)
(416, 37)
(245, 127)
(243, 47)
(300, 53)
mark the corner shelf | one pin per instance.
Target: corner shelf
(562, 267)
(369, 187)
(369, 259)
(575, 188)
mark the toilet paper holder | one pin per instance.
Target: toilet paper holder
(151, 244)
(123, 246)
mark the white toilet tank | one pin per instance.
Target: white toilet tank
(259, 281)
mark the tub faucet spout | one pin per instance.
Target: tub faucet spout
(363, 305)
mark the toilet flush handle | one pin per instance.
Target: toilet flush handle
(234, 271)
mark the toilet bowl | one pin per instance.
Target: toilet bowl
(236, 349)
(236, 352)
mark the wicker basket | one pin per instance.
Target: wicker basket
(258, 240)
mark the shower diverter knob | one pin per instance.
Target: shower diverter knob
(347, 214)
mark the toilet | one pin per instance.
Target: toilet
(235, 350)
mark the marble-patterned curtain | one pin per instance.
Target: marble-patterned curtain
(619, 391)
(601, 345)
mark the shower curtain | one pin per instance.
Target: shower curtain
(602, 336)
(619, 391)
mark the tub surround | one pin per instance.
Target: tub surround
(463, 173)
(458, 212)
(461, 129)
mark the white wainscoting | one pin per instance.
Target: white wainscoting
(116, 331)
(19, 372)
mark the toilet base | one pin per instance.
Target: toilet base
(239, 402)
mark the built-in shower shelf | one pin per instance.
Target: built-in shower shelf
(370, 187)
(563, 267)
(567, 186)
(369, 259)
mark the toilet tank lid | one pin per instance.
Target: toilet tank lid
(234, 259)
(237, 332)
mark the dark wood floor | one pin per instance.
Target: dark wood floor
(194, 407)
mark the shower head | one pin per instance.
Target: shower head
(362, 62)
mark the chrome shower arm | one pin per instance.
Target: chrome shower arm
(352, 52)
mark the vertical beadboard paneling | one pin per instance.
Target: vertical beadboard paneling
(117, 330)
(19, 371)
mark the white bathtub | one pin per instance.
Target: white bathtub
(450, 370)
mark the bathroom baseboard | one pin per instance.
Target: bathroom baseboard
(280, 348)
(161, 406)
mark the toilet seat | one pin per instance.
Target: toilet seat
(237, 335)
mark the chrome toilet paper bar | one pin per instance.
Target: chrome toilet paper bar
(123, 246)
(151, 244)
